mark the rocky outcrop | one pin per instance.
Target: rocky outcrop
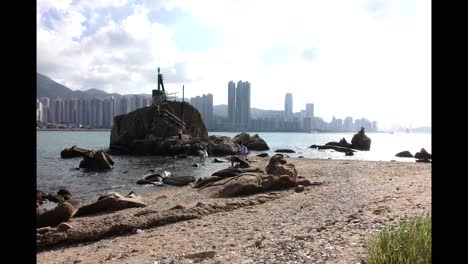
(262, 155)
(279, 166)
(144, 132)
(111, 202)
(360, 141)
(342, 143)
(96, 161)
(254, 142)
(221, 145)
(61, 213)
(72, 152)
(404, 154)
(423, 154)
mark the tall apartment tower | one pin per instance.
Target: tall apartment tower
(57, 107)
(231, 101)
(288, 105)
(310, 110)
(45, 109)
(242, 116)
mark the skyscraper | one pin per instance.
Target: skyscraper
(310, 110)
(288, 105)
(231, 101)
(242, 116)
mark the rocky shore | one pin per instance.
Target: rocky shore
(325, 223)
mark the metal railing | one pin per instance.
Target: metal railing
(173, 118)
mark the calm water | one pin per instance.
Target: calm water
(54, 173)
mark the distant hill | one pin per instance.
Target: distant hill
(47, 87)
(222, 110)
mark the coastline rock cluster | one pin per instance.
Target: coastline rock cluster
(232, 182)
(360, 141)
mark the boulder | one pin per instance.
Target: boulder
(404, 154)
(96, 161)
(423, 154)
(360, 141)
(72, 152)
(349, 153)
(111, 202)
(61, 213)
(144, 132)
(179, 180)
(279, 166)
(254, 142)
(221, 145)
(204, 181)
(246, 183)
(262, 155)
(285, 151)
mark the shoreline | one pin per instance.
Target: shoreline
(326, 223)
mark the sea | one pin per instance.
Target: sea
(54, 173)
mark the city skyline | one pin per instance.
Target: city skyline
(366, 58)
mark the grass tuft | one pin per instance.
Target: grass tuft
(409, 242)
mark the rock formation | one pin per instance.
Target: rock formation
(404, 154)
(423, 154)
(221, 145)
(360, 141)
(254, 142)
(72, 152)
(96, 161)
(145, 132)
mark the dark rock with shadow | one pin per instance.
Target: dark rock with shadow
(404, 154)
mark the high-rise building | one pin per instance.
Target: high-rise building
(288, 105)
(348, 124)
(204, 104)
(57, 110)
(108, 112)
(242, 116)
(39, 116)
(310, 110)
(45, 109)
(74, 111)
(231, 101)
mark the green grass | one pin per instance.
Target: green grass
(409, 242)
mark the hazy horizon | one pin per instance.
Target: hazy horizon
(365, 58)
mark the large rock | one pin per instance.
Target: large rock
(111, 202)
(72, 152)
(342, 143)
(221, 145)
(246, 183)
(254, 142)
(360, 141)
(404, 154)
(423, 154)
(279, 166)
(61, 213)
(96, 161)
(140, 132)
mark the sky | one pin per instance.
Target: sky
(360, 58)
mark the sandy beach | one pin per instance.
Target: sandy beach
(327, 223)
